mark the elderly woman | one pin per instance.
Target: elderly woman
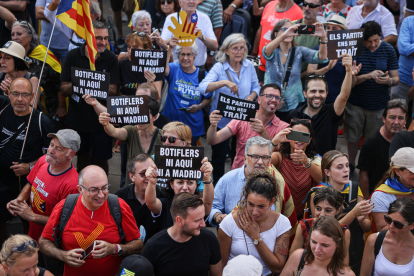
(165, 8)
(141, 21)
(184, 101)
(278, 52)
(19, 256)
(232, 75)
(397, 182)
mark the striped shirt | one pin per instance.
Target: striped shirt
(369, 94)
(214, 10)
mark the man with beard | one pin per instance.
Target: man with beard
(82, 117)
(374, 160)
(52, 179)
(186, 248)
(325, 117)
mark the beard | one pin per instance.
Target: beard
(310, 102)
(189, 232)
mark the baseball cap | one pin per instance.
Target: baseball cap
(338, 20)
(68, 138)
(243, 265)
(404, 157)
(135, 265)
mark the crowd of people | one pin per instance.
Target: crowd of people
(289, 205)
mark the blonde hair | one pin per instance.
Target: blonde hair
(182, 130)
(11, 243)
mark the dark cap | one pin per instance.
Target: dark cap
(135, 265)
(69, 138)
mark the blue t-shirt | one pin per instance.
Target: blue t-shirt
(183, 92)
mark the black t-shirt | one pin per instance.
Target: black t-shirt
(81, 116)
(5, 33)
(189, 258)
(325, 125)
(40, 126)
(161, 121)
(374, 158)
(141, 212)
(400, 140)
(128, 79)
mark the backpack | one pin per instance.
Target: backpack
(377, 246)
(69, 205)
(240, 23)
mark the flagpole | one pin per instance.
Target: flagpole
(37, 90)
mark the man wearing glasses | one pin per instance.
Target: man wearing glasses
(229, 188)
(266, 123)
(91, 223)
(14, 116)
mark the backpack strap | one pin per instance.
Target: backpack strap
(153, 140)
(353, 194)
(67, 210)
(115, 209)
(302, 261)
(289, 67)
(377, 246)
(308, 227)
(201, 75)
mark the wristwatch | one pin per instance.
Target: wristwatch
(323, 42)
(256, 241)
(233, 5)
(392, 81)
(119, 252)
(309, 164)
(203, 38)
(212, 53)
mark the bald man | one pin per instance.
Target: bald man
(91, 223)
(14, 117)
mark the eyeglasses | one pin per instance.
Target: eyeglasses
(100, 38)
(142, 174)
(297, 120)
(17, 94)
(169, 2)
(271, 97)
(22, 247)
(183, 55)
(6, 58)
(170, 139)
(284, 29)
(95, 191)
(311, 5)
(255, 157)
(236, 50)
(397, 224)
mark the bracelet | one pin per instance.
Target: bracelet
(274, 145)
(320, 42)
(208, 182)
(215, 216)
(309, 164)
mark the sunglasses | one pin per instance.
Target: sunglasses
(163, 2)
(170, 139)
(316, 76)
(397, 224)
(22, 247)
(311, 5)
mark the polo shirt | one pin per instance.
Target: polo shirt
(214, 10)
(243, 131)
(81, 116)
(370, 95)
(325, 125)
(380, 14)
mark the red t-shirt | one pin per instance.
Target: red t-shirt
(269, 19)
(84, 227)
(48, 190)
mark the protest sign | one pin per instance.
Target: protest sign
(238, 109)
(345, 42)
(148, 60)
(184, 31)
(129, 110)
(87, 82)
(179, 162)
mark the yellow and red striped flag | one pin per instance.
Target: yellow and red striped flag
(39, 54)
(135, 9)
(77, 16)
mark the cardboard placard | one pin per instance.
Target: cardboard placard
(237, 109)
(148, 60)
(129, 110)
(179, 162)
(87, 82)
(345, 42)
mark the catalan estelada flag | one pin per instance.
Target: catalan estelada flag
(126, 272)
(135, 9)
(77, 16)
(39, 54)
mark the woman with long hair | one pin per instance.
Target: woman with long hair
(164, 9)
(396, 254)
(253, 228)
(324, 254)
(298, 162)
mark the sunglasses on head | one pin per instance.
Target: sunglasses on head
(170, 139)
(22, 247)
(141, 34)
(311, 5)
(397, 224)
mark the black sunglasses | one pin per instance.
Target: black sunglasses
(170, 139)
(311, 5)
(397, 224)
(169, 2)
(22, 247)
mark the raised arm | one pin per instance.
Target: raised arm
(172, 43)
(340, 102)
(320, 32)
(215, 137)
(97, 106)
(208, 193)
(153, 203)
(7, 16)
(272, 45)
(117, 133)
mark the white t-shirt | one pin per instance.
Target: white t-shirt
(204, 24)
(382, 201)
(238, 244)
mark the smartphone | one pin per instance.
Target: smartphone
(184, 108)
(87, 251)
(298, 136)
(306, 29)
(383, 75)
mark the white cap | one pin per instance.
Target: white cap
(243, 265)
(404, 157)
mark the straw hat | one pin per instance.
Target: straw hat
(14, 49)
(339, 21)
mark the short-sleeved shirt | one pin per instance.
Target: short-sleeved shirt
(369, 94)
(400, 140)
(374, 158)
(48, 190)
(128, 79)
(270, 17)
(189, 258)
(382, 201)
(204, 24)
(326, 14)
(183, 92)
(325, 125)
(84, 227)
(243, 131)
(214, 10)
(81, 116)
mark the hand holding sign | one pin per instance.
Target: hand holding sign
(206, 168)
(151, 174)
(104, 119)
(150, 76)
(185, 32)
(347, 62)
(90, 100)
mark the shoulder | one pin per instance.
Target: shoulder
(296, 256)
(124, 206)
(123, 192)
(157, 238)
(348, 272)
(207, 234)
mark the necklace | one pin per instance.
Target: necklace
(265, 219)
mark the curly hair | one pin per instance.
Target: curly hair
(262, 183)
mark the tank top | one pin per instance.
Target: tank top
(383, 267)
